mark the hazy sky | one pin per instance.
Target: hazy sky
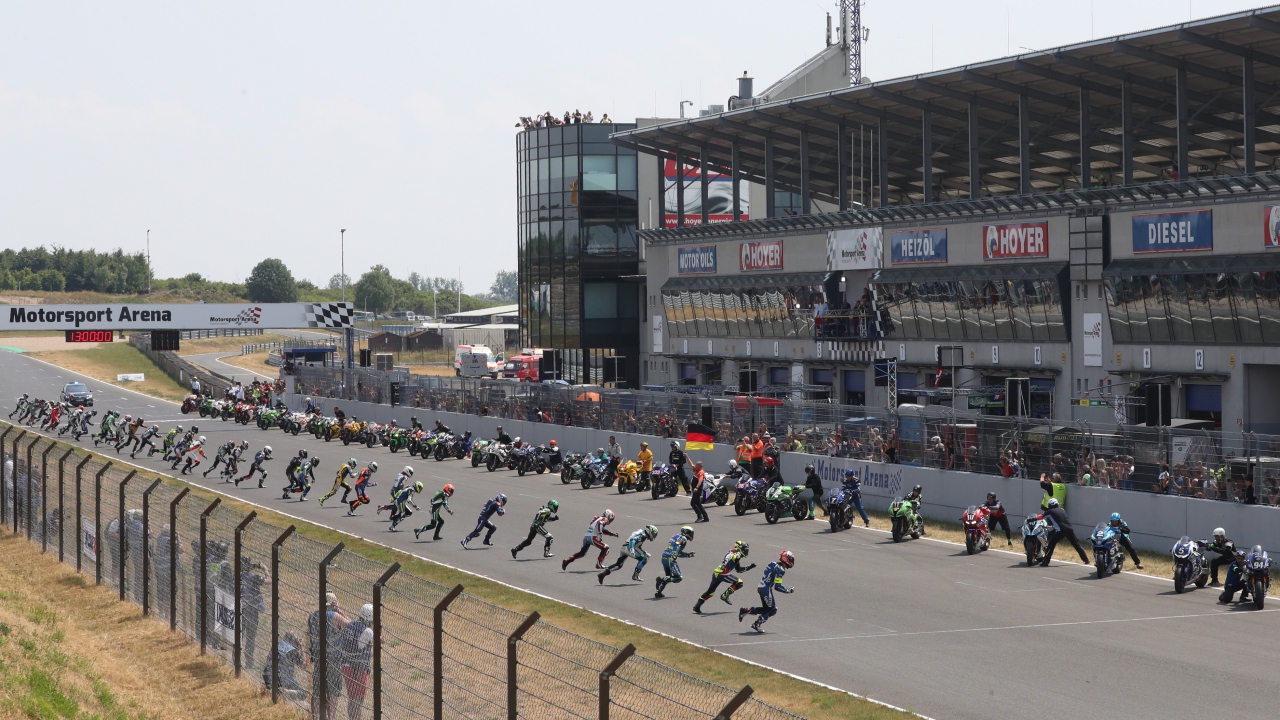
(237, 131)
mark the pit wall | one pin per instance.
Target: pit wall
(1157, 521)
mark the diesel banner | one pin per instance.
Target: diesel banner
(1021, 240)
(1164, 232)
(919, 246)
(855, 249)
(697, 260)
(194, 316)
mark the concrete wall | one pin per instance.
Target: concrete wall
(1157, 520)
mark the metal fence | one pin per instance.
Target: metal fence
(253, 594)
(1215, 465)
(285, 345)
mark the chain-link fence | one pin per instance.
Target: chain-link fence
(1208, 464)
(329, 631)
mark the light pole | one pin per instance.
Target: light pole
(342, 267)
(148, 261)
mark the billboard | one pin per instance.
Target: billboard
(1092, 339)
(192, 316)
(696, 260)
(719, 196)
(1180, 231)
(919, 246)
(1017, 240)
(855, 249)
(1271, 229)
(760, 256)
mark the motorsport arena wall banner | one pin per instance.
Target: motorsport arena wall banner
(1163, 232)
(191, 316)
(855, 249)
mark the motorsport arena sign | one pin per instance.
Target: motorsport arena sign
(193, 316)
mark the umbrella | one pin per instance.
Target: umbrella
(589, 397)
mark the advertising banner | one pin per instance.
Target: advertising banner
(89, 539)
(1019, 240)
(224, 614)
(1271, 229)
(855, 249)
(697, 260)
(1165, 232)
(919, 246)
(719, 196)
(760, 256)
(1092, 339)
(192, 316)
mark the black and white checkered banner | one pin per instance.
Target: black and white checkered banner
(330, 315)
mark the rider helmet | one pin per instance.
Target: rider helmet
(742, 547)
(991, 497)
(650, 531)
(195, 429)
(373, 467)
(787, 559)
(179, 428)
(1053, 502)
(553, 506)
(687, 532)
(408, 471)
(302, 453)
(1115, 518)
(675, 445)
(448, 489)
(502, 499)
(808, 469)
(201, 439)
(315, 463)
(352, 463)
(733, 465)
(417, 487)
(849, 474)
(917, 489)
(265, 450)
(608, 516)
(243, 443)
(600, 451)
(768, 462)
(128, 418)
(1219, 533)
(155, 428)
(552, 443)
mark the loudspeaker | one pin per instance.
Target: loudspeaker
(747, 380)
(366, 357)
(706, 416)
(1017, 397)
(1158, 412)
(552, 365)
(395, 393)
(166, 340)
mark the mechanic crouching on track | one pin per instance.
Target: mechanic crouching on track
(1062, 529)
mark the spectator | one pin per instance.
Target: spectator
(252, 578)
(588, 117)
(332, 682)
(1164, 481)
(290, 652)
(1249, 497)
(604, 118)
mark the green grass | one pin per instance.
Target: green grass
(105, 362)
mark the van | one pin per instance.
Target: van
(522, 367)
(475, 361)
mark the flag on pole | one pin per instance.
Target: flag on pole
(937, 378)
(699, 437)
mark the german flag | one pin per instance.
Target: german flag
(699, 437)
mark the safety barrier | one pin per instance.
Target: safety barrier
(252, 593)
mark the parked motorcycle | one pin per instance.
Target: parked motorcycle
(1189, 565)
(440, 446)
(664, 482)
(783, 500)
(749, 494)
(716, 489)
(496, 456)
(905, 519)
(530, 459)
(977, 536)
(190, 403)
(1257, 575)
(572, 467)
(1035, 538)
(398, 440)
(478, 450)
(595, 472)
(1108, 556)
(628, 477)
(840, 509)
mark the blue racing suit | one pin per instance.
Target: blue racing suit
(671, 561)
(490, 508)
(853, 486)
(772, 580)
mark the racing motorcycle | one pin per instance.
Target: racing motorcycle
(663, 481)
(530, 459)
(1189, 565)
(715, 489)
(1257, 575)
(570, 469)
(629, 478)
(496, 456)
(1108, 556)
(840, 508)
(905, 519)
(478, 450)
(977, 536)
(457, 448)
(190, 403)
(398, 440)
(749, 494)
(783, 500)
(1035, 538)
(595, 472)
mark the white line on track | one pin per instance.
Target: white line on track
(1220, 613)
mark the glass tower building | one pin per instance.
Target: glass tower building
(578, 254)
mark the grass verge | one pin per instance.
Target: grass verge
(71, 650)
(257, 362)
(105, 362)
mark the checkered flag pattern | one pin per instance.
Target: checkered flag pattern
(330, 315)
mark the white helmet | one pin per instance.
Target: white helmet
(408, 471)
(373, 467)
(1219, 532)
(267, 451)
(1053, 502)
(201, 439)
(608, 516)
(366, 612)
(733, 464)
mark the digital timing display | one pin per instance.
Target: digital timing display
(90, 336)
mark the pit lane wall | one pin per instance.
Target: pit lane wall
(1157, 520)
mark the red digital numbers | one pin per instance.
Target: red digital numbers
(90, 336)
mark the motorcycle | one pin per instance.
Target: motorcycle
(1108, 556)
(352, 431)
(906, 521)
(1257, 575)
(398, 440)
(1035, 538)
(749, 494)
(716, 489)
(629, 478)
(530, 459)
(977, 536)
(190, 403)
(478, 450)
(268, 419)
(663, 481)
(1189, 565)
(782, 500)
(496, 456)
(206, 407)
(595, 472)
(840, 509)
(571, 468)
(457, 448)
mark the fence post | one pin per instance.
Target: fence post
(606, 676)
(322, 625)
(275, 613)
(3, 458)
(743, 695)
(79, 526)
(173, 559)
(30, 449)
(62, 515)
(44, 499)
(512, 641)
(4, 497)
(97, 523)
(239, 530)
(376, 667)
(437, 650)
(146, 547)
(204, 576)
(121, 543)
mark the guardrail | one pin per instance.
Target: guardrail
(433, 648)
(285, 345)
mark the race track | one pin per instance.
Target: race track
(919, 625)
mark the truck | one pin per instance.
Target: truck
(522, 367)
(475, 361)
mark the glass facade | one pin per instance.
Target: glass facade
(990, 309)
(1195, 307)
(577, 215)
(756, 312)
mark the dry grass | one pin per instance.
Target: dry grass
(256, 362)
(103, 363)
(71, 650)
(44, 343)
(228, 344)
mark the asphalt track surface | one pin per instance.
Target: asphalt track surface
(920, 625)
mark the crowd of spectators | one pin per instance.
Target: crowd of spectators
(549, 119)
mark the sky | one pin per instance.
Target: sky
(237, 131)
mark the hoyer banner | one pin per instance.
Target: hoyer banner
(194, 316)
(1021, 240)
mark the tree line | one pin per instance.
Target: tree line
(62, 270)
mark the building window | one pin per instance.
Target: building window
(600, 172)
(1204, 402)
(855, 387)
(688, 374)
(780, 376)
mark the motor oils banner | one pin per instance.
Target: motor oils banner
(1019, 240)
(696, 260)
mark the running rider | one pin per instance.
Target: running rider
(402, 505)
(724, 573)
(220, 457)
(539, 527)
(147, 439)
(195, 448)
(772, 580)
(260, 457)
(344, 472)
(635, 549)
(363, 481)
(671, 559)
(305, 475)
(496, 505)
(597, 529)
(440, 501)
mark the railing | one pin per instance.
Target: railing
(844, 325)
(240, 587)
(285, 345)
(1211, 464)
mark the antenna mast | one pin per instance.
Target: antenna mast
(851, 36)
